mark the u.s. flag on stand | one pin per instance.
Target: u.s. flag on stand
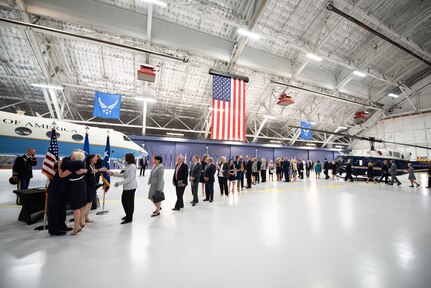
(51, 157)
(228, 105)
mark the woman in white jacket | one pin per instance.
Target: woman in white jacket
(129, 187)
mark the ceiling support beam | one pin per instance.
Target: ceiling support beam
(239, 46)
(12, 105)
(48, 103)
(257, 132)
(144, 117)
(295, 137)
(333, 97)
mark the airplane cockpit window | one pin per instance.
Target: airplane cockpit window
(125, 138)
(390, 153)
(23, 131)
(77, 137)
(48, 134)
(397, 154)
(402, 156)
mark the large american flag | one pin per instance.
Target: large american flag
(228, 105)
(51, 157)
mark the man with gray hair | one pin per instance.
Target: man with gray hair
(180, 181)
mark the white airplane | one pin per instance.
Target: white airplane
(19, 132)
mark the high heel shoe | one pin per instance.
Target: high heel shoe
(156, 210)
(75, 232)
(155, 214)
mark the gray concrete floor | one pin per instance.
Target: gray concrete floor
(304, 234)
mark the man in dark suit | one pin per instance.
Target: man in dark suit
(308, 167)
(429, 175)
(195, 174)
(23, 170)
(209, 172)
(259, 164)
(348, 171)
(385, 172)
(143, 165)
(326, 169)
(301, 169)
(286, 167)
(248, 168)
(181, 174)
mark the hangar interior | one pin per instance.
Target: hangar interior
(353, 69)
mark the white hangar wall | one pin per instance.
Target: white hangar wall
(414, 129)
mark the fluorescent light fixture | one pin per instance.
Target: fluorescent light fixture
(339, 146)
(146, 99)
(359, 73)
(341, 128)
(269, 117)
(314, 57)
(275, 141)
(156, 2)
(174, 134)
(48, 86)
(310, 144)
(249, 34)
(393, 95)
(313, 123)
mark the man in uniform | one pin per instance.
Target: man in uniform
(22, 170)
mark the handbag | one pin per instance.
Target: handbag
(158, 197)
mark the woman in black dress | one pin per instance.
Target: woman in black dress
(232, 176)
(90, 179)
(201, 178)
(78, 192)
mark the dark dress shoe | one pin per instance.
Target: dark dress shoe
(176, 209)
(59, 233)
(205, 200)
(211, 201)
(126, 221)
(155, 215)
(124, 218)
(66, 229)
(193, 204)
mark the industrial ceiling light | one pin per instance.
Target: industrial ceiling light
(47, 86)
(393, 95)
(314, 57)
(156, 2)
(339, 146)
(174, 134)
(249, 34)
(359, 73)
(313, 123)
(146, 99)
(310, 144)
(275, 141)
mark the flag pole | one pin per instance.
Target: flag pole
(45, 211)
(103, 212)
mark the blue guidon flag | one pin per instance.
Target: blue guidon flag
(86, 144)
(107, 105)
(306, 133)
(106, 179)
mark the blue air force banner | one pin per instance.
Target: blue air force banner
(305, 133)
(107, 105)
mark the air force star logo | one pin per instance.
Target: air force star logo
(107, 109)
